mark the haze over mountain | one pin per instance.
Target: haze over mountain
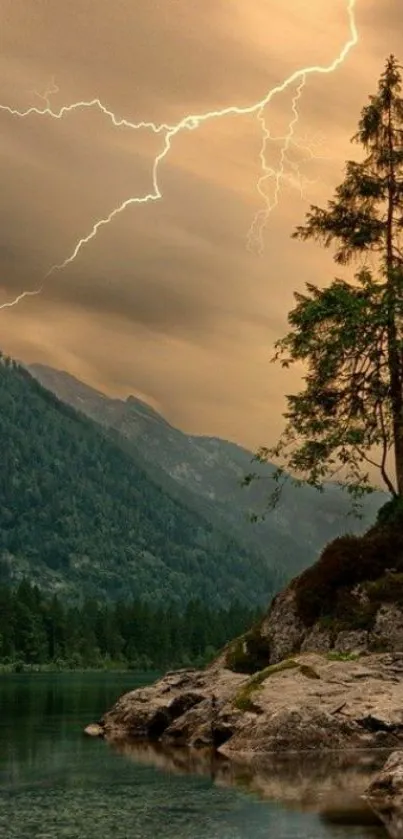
(207, 472)
(80, 516)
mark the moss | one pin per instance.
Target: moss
(249, 653)
(335, 655)
(243, 700)
(272, 669)
(325, 590)
(235, 656)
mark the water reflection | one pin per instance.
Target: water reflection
(41, 718)
(331, 785)
(55, 783)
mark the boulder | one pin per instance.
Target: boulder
(180, 706)
(385, 795)
(94, 730)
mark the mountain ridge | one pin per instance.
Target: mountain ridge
(79, 516)
(208, 471)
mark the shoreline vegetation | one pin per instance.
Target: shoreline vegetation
(39, 633)
(21, 668)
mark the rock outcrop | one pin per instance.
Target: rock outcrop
(310, 702)
(282, 632)
(349, 601)
(186, 707)
(322, 671)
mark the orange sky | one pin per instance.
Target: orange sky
(167, 302)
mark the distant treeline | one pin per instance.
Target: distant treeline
(37, 630)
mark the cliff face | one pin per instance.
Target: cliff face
(283, 633)
(349, 602)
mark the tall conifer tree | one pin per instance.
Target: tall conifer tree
(349, 336)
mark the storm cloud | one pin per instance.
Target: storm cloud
(167, 302)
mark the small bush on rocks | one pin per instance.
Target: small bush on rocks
(326, 590)
(250, 653)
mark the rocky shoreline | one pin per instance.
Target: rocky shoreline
(313, 704)
(308, 702)
(321, 673)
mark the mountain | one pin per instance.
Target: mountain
(207, 472)
(80, 516)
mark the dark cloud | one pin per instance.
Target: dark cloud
(166, 301)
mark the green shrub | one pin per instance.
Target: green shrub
(249, 653)
(391, 512)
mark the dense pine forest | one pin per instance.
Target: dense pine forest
(38, 631)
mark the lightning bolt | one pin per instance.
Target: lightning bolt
(192, 122)
(255, 235)
(11, 303)
(50, 91)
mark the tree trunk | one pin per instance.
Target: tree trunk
(394, 352)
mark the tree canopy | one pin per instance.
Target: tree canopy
(39, 630)
(348, 418)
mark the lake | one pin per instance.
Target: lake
(55, 783)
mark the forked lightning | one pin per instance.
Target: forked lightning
(191, 122)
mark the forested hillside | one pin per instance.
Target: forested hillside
(78, 516)
(208, 473)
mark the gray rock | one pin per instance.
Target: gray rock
(190, 697)
(385, 795)
(354, 704)
(282, 627)
(388, 629)
(353, 641)
(285, 633)
(317, 640)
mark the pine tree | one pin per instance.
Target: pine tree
(349, 335)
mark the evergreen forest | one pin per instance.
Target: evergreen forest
(37, 631)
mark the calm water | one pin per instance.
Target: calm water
(57, 784)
